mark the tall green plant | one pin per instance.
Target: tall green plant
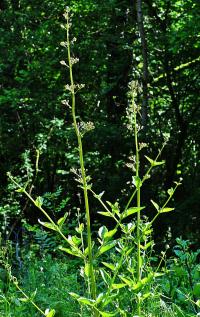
(117, 267)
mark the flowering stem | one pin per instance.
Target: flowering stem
(92, 282)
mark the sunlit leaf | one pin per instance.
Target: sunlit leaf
(170, 191)
(105, 247)
(51, 313)
(20, 190)
(166, 209)
(109, 265)
(154, 163)
(117, 286)
(137, 181)
(131, 211)
(105, 213)
(72, 252)
(155, 205)
(38, 202)
(110, 234)
(48, 225)
(102, 231)
(86, 301)
(23, 299)
(61, 221)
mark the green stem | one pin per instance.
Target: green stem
(145, 177)
(164, 205)
(138, 203)
(81, 159)
(28, 298)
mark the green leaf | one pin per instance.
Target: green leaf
(137, 181)
(86, 301)
(80, 228)
(20, 190)
(48, 225)
(167, 209)
(51, 313)
(131, 211)
(154, 163)
(117, 286)
(77, 253)
(62, 172)
(109, 265)
(105, 276)
(106, 247)
(126, 280)
(198, 302)
(38, 202)
(114, 207)
(74, 295)
(24, 299)
(102, 232)
(146, 246)
(155, 205)
(110, 234)
(61, 221)
(170, 191)
(105, 213)
(76, 240)
(196, 290)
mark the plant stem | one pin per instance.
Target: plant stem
(30, 300)
(92, 281)
(138, 202)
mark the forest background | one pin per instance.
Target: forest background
(37, 141)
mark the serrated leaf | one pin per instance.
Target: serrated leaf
(166, 209)
(109, 265)
(131, 211)
(155, 205)
(38, 202)
(48, 225)
(51, 313)
(117, 286)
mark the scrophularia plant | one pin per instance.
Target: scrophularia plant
(116, 265)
